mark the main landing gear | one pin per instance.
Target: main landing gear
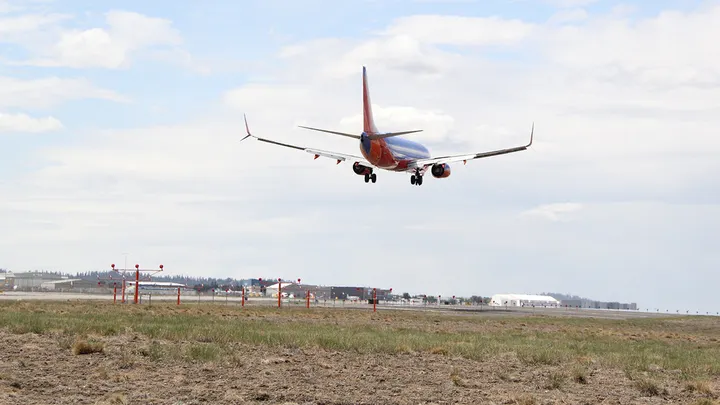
(370, 176)
(416, 179)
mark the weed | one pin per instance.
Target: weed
(204, 352)
(649, 388)
(85, 347)
(702, 387)
(555, 381)
(579, 375)
(439, 350)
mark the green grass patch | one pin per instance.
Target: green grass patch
(206, 333)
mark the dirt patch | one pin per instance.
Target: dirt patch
(39, 369)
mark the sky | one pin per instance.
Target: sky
(120, 125)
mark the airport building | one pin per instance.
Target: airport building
(523, 300)
(599, 304)
(30, 281)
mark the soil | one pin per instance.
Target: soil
(42, 369)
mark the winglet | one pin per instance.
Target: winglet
(532, 132)
(247, 129)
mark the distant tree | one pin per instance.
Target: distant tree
(565, 297)
(406, 296)
(475, 299)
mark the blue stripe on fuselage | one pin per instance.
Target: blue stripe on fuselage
(406, 149)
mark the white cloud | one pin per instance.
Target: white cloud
(111, 48)
(555, 212)
(456, 30)
(50, 91)
(570, 3)
(26, 123)
(435, 124)
(11, 27)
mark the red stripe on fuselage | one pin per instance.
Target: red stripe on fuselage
(381, 156)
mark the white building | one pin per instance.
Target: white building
(272, 290)
(520, 300)
(158, 287)
(59, 284)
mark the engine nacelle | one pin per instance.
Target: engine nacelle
(440, 171)
(361, 170)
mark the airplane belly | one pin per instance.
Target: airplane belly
(380, 156)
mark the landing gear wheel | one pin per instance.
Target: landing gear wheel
(367, 178)
(373, 177)
(416, 178)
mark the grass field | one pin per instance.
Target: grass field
(421, 356)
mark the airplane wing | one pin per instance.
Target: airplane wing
(340, 157)
(422, 163)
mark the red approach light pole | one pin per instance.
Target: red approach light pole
(243, 296)
(137, 281)
(374, 301)
(279, 291)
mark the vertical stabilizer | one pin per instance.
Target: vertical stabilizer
(368, 120)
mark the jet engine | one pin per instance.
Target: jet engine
(440, 171)
(361, 170)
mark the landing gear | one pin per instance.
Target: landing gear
(370, 177)
(416, 179)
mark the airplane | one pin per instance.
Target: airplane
(384, 150)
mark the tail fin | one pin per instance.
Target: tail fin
(368, 120)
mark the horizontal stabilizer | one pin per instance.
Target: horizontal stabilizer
(332, 132)
(390, 134)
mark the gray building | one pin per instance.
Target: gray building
(598, 304)
(28, 281)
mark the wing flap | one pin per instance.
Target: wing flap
(457, 158)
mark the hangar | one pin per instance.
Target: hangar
(523, 300)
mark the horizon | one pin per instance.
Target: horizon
(294, 281)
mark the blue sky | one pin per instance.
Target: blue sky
(119, 126)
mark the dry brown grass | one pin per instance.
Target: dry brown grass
(649, 387)
(701, 387)
(85, 347)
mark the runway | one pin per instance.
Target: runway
(193, 298)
